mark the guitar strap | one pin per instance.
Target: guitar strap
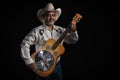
(58, 30)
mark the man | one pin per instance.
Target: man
(39, 35)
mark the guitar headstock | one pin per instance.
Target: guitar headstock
(76, 18)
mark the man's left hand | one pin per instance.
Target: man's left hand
(73, 27)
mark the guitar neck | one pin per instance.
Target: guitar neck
(61, 37)
(74, 21)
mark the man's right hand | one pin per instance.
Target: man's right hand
(32, 66)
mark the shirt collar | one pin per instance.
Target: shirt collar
(46, 27)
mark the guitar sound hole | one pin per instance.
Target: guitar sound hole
(44, 60)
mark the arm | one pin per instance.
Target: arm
(72, 37)
(30, 39)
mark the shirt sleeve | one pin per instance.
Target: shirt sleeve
(30, 39)
(71, 37)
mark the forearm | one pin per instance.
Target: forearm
(71, 37)
(25, 55)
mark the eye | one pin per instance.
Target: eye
(50, 15)
(53, 15)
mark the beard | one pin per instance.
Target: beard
(51, 23)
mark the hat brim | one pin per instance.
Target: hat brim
(42, 11)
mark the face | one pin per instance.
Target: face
(50, 18)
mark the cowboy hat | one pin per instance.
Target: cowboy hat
(48, 7)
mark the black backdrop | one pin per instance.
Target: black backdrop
(89, 58)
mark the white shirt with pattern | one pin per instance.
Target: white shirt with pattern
(37, 36)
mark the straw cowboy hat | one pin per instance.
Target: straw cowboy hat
(48, 7)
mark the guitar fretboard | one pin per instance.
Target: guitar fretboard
(61, 37)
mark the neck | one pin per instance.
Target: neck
(50, 27)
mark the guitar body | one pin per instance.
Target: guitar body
(54, 54)
(59, 49)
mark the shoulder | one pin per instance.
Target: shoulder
(59, 27)
(36, 30)
(38, 27)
